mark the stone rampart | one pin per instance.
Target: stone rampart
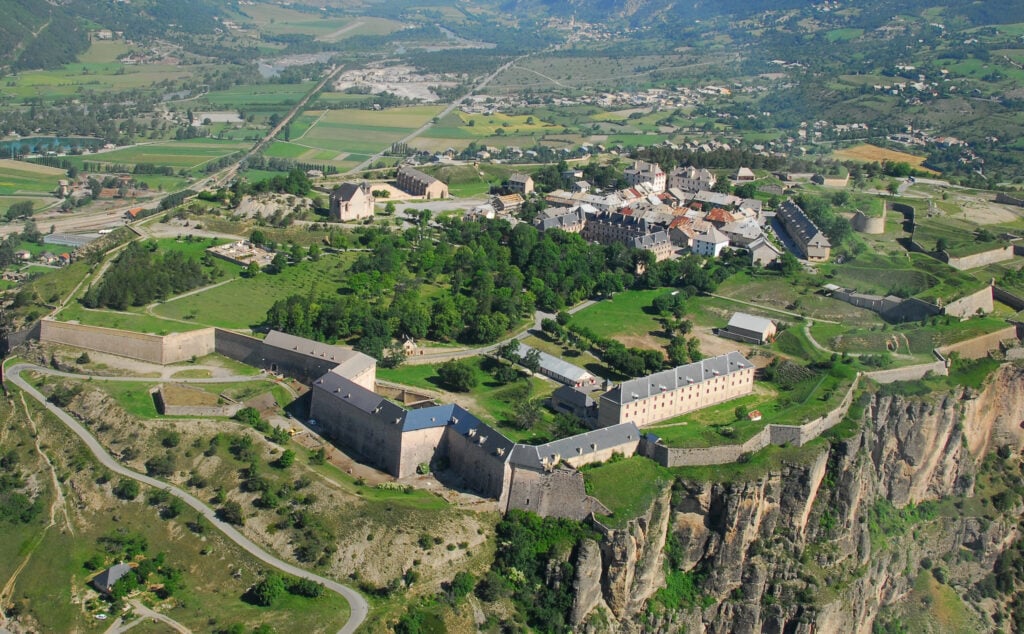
(134, 345)
(868, 224)
(970, 305)
(1007, 199)
(984, 258)
(979, 347)
(241, 348)
(772, 434)
(908, 373)
(19, 338)
(1012, 299)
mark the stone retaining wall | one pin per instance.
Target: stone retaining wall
(772, 434)
(868, 224)
(162, 350)
(1011, 299)
(984, 258)
(909, 373)
(979, 347)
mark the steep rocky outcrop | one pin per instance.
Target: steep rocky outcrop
(819, 546)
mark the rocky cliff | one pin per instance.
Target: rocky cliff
(820, 546)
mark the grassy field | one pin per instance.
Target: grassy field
(913, 274)
(363, 132)
(97, 76)
(19, 177)
(262, 98)
(244, 302)
(958, 235)
(186, 155)
(467, 180)
(623, 315)
(627, 487)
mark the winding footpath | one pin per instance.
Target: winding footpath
(358, 605)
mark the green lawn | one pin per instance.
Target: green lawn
(623, 314)
(627, 487)
(771, 458)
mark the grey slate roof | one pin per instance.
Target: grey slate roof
(541, 456)
(752, 323)
(308, 347)
(797, 222)
(571, 395)
(650, 240)
(109, 577)
(682, 376)
(577, 215)
(361, 398)
(556, 366)
(485, 437)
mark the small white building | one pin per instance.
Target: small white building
(710, 243)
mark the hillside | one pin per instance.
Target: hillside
(38, 35)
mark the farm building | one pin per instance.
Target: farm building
(677, 391)
(521, 184)
(561, 371)
(749, 328)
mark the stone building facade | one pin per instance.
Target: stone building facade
(351, 201)
(677, 391)
(416, 183)
(811, 241)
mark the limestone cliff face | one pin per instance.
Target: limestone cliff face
(795, 550)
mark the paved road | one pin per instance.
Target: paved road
(358, 605)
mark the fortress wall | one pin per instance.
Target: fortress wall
(969, 305)
(1006, 199)
(981, 259)
(134, 345)
(182, 346)
(486, 474)
(241, 348)
(912, 309)
(979, 347)
(19, 338)
(378, 442)
(867, 224)
(560, 493)
(1013, 300)
(417, 447)
(909, 373)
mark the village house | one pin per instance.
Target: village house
(521, 183)
(571, 221)
(763, 252)
(709, 243)
(691, 179)
(744, 175)
(674, 392)
(644, 172)
(508, 204)
(351, 201)
(742, 232)
(416, 183)
(104, 582)
(811, 240)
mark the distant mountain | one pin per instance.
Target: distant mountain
(35, 34)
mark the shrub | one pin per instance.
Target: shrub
(126, 489)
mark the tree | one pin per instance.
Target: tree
(941, 244)
(457, 375)
(789, 264)
(286, 459)
(252, 270)
(526, 413)
(389, 208)
(893, 188)
(509, 351)
(278, 264)
(231, 512)
(126, 489)
(268, 590)
(314, 252)
(531, 361)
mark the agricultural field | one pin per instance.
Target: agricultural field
(20, 177)
(362, 133)
(870, 153)
(183, 155)
(256, 98)
(274, 19)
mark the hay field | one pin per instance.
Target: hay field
(869, 153)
